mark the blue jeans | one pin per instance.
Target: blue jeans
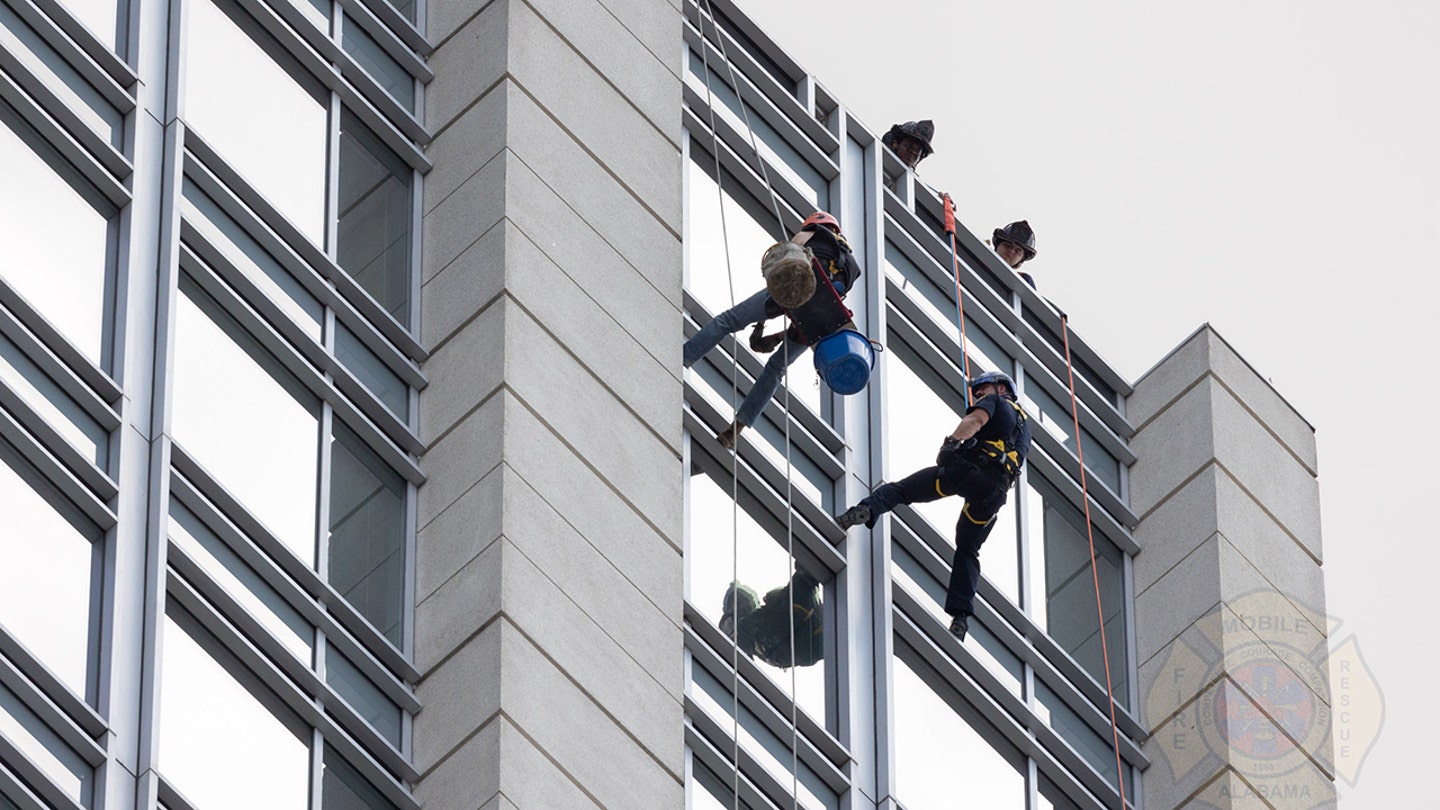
(749, 311)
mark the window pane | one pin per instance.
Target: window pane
(385, 384)
(1092, 747)
(381, 66)
(27, 46)
(57, 255)
(1059, 421)
(246, 420)
(102, 17)
(6, 804)
(405, 7)
(258, 111)
(51, 402)
(254, 261)
(374, 218)
(51, 571)
(344, 788)
(764, 567)
(25, 731)
(941, 758)
(241, 581)
(1067, 611)
(213, 730)
(363, 696)
(367, 533)
(708, 791)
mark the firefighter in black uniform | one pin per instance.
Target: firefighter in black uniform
(979, 462)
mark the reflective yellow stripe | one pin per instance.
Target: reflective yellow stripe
(966, 512)
(937, 487)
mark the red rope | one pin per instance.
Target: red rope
(959, 307)
(1094, 571)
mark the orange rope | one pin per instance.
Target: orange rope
(959, 307)
(1094, 571)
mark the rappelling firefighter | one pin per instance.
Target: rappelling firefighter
(807, 279)
(979, 461)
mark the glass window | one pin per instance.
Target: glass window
(764, 574)
(984, 353)
(213, 728)
(769, 749)
(942, 757)
(1059, 421)
(381, 66)
(49, 400)
(241, 582)
(709, 279)
(708, 791)
(363, 696)
(779, 156)
(917, 419)
(104, 18)
(57, 255)
(405, 7)
(367, 533)
(1093, 748)
(44, 747)
(50, 580)
(375, 217)
(256, 106)
(5, 803)
(255, 262)
(1065, 597)
(32, 51)
(385, 384)
(343, 788)
(246, 419)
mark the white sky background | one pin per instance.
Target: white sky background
(1270, 167)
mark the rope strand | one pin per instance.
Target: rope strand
(1094, 570)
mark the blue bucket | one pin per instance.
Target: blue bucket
(844, 360)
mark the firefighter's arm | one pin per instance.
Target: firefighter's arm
(971, 424)
(801, 237)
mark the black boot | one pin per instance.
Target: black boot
(859, 513)
(960, 625)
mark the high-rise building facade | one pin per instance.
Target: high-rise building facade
(347, 459)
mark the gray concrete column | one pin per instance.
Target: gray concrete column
(549, 568)
(1230, 599)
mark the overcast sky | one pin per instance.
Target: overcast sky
(1269, 167)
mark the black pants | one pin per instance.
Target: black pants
(984, 492)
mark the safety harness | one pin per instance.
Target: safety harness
(1005, 453)
(825, 313)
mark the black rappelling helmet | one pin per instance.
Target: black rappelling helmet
(993, 378)
(1020, 234)
(921, 131)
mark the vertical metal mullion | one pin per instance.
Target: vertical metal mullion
(322, 510)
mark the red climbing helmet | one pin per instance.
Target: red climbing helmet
(822, 218)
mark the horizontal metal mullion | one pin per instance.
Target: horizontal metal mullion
(1066, 478)
(285, 241)
(194, 247)
(90, 154)
(88, 42)
(914, 639)
(56, 718)
(57, 473)
(279, 566)
(817, 734)
(81, 466)
(297, 671)
(270, 674)
(35, 779)
(295, 362)
(57, 370)
(46, 24)
(702, 748)
(19, 795)
(35, 671)
(1017, 631)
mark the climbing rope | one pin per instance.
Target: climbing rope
(959, 307)
(1094, 570)
(735, 455)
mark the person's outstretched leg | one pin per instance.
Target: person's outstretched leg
(921, 486)
(751, 310)
(977, 519)
(768, 381)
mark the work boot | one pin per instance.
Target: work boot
(960, 625)
(730, 435)
(859, 513)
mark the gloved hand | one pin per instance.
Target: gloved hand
(950, 450)
(761, 343)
